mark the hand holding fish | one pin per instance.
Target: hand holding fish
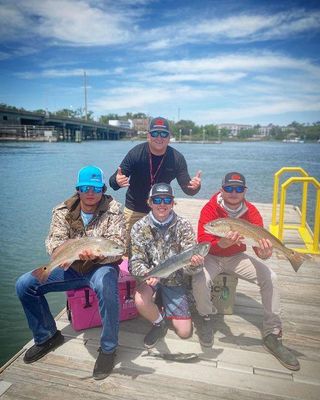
(231, 238)
(89, 255)
(152, 281)
(264, 251)
(196, 260)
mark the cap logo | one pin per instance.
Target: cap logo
(236, 177)
(95, 177)
(162, 189)
(159, 122)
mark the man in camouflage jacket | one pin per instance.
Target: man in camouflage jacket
(156, 237)
(88, 213)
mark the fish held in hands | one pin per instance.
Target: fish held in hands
(177, 261)
(69, 252)
(252, 234)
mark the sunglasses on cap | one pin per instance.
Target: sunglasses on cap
(163, 134)
(164, 200)
(237, 189)
(85, 189)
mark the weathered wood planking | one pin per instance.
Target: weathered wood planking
(237, 367)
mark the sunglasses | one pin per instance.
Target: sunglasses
(164, 200)
(85, 189)
(163, 134)
(237, 189)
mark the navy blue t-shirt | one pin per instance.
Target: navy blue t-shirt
(136, 165)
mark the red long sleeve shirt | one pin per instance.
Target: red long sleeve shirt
(211, 211)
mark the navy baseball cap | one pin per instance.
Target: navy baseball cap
(159, 124)
(234, 179)
(90, 176)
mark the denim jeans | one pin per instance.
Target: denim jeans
(103, 280)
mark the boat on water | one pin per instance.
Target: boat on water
(293, 140)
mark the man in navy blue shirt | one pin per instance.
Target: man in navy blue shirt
(149, 163)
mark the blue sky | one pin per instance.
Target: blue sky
(208, 61)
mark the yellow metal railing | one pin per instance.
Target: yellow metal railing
(310, 239)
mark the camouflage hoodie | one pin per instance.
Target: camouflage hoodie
(151, 245)
(108, 222)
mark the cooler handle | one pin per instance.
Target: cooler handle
(86, 297)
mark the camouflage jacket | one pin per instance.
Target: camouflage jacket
(151, 246)
(108, 222)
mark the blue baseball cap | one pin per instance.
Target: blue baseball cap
(90, 176)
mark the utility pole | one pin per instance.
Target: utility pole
(178, 114)
(85, 96)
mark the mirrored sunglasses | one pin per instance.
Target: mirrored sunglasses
(164, 200)
(237, 189)
(163, 134)
(85, 189)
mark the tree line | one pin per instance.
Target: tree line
(187, 129)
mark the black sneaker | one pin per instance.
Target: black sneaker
(157, 332)
(104, 365)
(37, 351)
(273, 344)
(206, 331)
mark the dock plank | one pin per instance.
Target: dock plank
(237, 366)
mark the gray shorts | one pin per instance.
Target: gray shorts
(173, 300)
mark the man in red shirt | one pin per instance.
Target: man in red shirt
(226, 255)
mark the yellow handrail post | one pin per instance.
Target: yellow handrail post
(276, 192)
(275, 198)
(304, 205)
(311, 241)
(281, 211)
(316, 235)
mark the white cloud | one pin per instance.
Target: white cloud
(105, 23)
(238, 28)
(73, 22)
(64, 73)
(253, 112)
(255, 61)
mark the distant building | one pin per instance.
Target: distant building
(233, 129)
(141, 125)
(119, 123)
(265, 130)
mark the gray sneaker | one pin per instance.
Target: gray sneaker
(273, 344)
(206, 331)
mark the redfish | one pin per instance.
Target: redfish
(252, 234)
(69, 252)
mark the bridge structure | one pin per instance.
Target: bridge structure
(30, 126)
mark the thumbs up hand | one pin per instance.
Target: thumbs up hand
(195, 182)
(122, 180)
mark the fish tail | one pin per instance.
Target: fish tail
(41, 273)
(297, 259)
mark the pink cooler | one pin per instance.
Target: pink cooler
(83, 307)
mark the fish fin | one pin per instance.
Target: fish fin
(298, 259)
(41, 273)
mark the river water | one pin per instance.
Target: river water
(37, 176)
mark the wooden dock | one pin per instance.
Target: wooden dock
(236, 368)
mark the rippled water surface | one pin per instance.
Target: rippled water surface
(37, 176)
